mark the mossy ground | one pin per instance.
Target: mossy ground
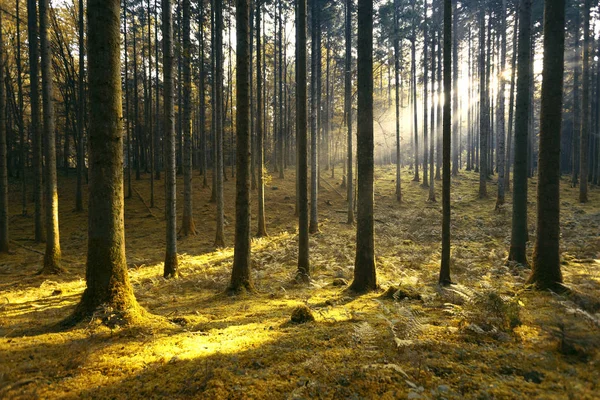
(205, 344)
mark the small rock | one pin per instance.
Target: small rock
(56, 292)
(301, 315)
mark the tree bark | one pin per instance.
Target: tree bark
(240, 275)
(106, 270)
(314, 117)
(365, 278)
(260, 148)
(303, 272)
(518, 248)
(444, 278)
(52, 255)
(171, 262)
(546, 272)
(500, 110)
(3, 159)
(36, 132)
(585, 107)
(219, 236)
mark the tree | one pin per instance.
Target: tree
(52, 255)
(576, 101)
(187, 227)
(170, 269)
(585, 106)
(260, 148)
(315, 90)
(444, 278)
(240, 275)
(397, 92)
(364, 265)
(348, 110)
(483, 106)
(518, 243)
(303, 273)
(36, 133)
(218, 104)
(425, 101)
(80, 114)
(3, 163)
(546, 272)
(106, 268)
(413, 50)
(500, 110)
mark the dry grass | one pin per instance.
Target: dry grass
(204, 344)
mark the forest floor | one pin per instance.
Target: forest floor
(487, 337)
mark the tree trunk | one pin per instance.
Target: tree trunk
(21, 122)
(483, 107)
(518, 249)
(170, 268)
(444, 278)
(425, 100)
(364, 265)
(36, 133)
(240, 275)
(511, 108)
(3, 154)
(397, 89)
(414, 94)
(585, 107)
(106, 270)
(303, 273)
(500, 110)
(431, 197)
(455, 105)
(80, 114)
(260, 158)
(52, 255)
(314, 118)
(187, 227)
(218, 44)
(546, 272)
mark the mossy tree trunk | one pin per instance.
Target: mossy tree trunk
(52, 255)
(518, 243)
(546, 272)
(303, 272)
(106, 270)
(364, 265)
(171, 262)
(240, 274)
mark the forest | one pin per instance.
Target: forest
(329, 199)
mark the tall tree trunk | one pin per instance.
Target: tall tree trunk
(511, 108)
(218, 45)
(106, 270)
(397, 89)
(303, 273)
(585, 106)
(314, 118)
(150, 121)
(187, 227)
(80, 114)
(136, 105)
(52, 255)
(546, 272)
(3, 152)
(425, 100)
(171, 262)
(483, 107)
(202, 94)
(240, 275)
(518, 249)
(260, 148)
(413, 50)
(21, 122)
(365, 278)
(36, 132)
(432, 136)
(281, 137)
(455, 105)
(444, 278)
(500, 110)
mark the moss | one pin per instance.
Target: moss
(302, 314)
